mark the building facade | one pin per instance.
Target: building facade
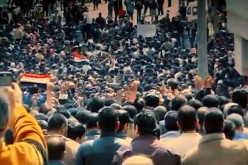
(237, 23)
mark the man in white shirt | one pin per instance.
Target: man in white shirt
(187, 123)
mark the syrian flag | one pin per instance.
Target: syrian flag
(36, 79)
(78, 57)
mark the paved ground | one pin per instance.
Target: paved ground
(104, 10)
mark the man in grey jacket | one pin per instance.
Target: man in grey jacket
(214, 148)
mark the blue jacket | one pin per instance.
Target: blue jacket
(100, 151)
(92, 134)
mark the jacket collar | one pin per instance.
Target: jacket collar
(145, 138)
(107, 134)
(171, 134)
(212, 137)
(93, 132)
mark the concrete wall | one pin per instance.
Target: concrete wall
(237, 23)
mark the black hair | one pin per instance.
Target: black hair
(239, 96)
(92, 121)
(229, 129)
(76, 131)
(172, 83)
(56, 147)
(160, 112)
(56, 122)
(214, 121)
(107, 119)
(82, 116)
(195, 103)
(151, 101)
(170, 120)
(187, 117)
(201, 112)
(139, 104)
(177, 102)
(235, 109)
(210, 101)
(146, 122)
(131, 110)
(95, 104)
(109, 102)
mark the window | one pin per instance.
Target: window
(194, 9)
(189, 11)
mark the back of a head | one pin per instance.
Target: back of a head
(229, 129)
(237, 120)
(138, 160)
(4, 117)
(95, 104)
(214, 121)
(76, 132)
(239, 96)
(187, 118)
(152, 101)
(146, 122)
(82, 116)
(116, 106)
(210, 101)
(131, 110)
(172, 83)
(235, 109)
(43, 124)
(195, 103)
(109, 102)
(139, 104)
(178, 102)
(159, 112)
(201, 112)
(108, 119)
(56, 147)
(56, 122)
(124, 118)
(92, 121)
(65, 113)
(170, 120)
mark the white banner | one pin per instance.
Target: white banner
(146, 30)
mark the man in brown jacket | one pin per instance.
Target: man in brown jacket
(214, 148)
(147, 143)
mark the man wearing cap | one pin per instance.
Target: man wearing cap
(146, 143)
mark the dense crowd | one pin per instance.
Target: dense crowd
(117, 98)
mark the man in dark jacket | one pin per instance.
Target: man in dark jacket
(102, 150)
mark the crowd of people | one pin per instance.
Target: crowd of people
(117, 98)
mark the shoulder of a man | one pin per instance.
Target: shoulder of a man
(122, 153)
(190, 158)
(17, 154)
(86, 147)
